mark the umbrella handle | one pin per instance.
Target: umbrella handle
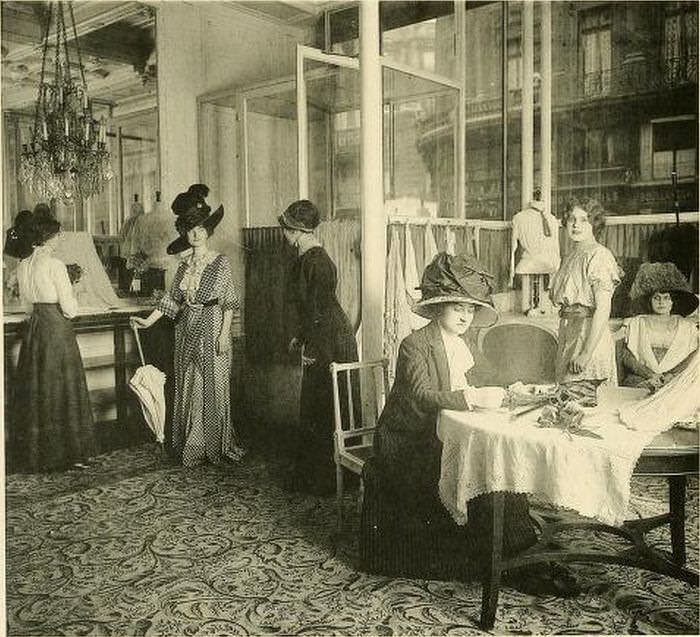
(138, 343)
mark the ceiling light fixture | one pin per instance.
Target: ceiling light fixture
(67, 156)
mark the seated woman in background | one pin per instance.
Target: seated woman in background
(583, 288)
(658, 340)
(433, 373)
(53, 424)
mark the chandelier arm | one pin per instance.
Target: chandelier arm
(42, 78)
(77, 46)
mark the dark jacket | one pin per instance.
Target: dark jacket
(406, 447)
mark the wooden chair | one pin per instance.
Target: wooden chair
(359, 393)
(523, 350)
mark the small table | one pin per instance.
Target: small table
(673, 454)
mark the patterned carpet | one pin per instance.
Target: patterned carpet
(139, 546)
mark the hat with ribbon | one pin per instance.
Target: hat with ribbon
(301, 215)
(192, 210)
(662, 277)
(457, 279)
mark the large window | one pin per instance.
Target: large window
(681, 43)
(597, 51)
(630, 119)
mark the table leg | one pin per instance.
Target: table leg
(676, 496)
(492, 578)
(120, 382)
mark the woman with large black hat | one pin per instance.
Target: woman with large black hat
(52, 425)
(658, 339)
(403, 520)
(201, 301)
(324, 335)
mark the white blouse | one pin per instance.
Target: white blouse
(459, 360)
(43, 278)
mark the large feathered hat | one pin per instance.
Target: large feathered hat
(192, 210)
(662, 277)
(457, 279)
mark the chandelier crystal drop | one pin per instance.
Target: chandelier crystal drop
(67, 156)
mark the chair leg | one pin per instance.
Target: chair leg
(361, 495)
(339, 494)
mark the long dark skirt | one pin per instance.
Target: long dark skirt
(314, 462)
(52, 425)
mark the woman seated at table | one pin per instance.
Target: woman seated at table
(433, 373)
(583, 288)
(658, 340)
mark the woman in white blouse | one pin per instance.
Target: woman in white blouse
(53, 428)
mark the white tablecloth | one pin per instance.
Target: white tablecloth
(486, 451)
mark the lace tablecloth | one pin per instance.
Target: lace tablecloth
(485, 451)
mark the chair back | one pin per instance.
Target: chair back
(520, 352)
(359, 394)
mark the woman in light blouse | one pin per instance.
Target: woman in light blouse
(201, 301)
(583, 288)
(53, 423)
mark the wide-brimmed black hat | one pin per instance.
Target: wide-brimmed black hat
(301, 215)
(19, 239)
(192, 210)
(457, 279)
(662, 277)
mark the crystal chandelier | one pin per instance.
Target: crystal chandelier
(67, 155)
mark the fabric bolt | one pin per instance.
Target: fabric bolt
(326, 335)
(677, 401)
(94, 290)
(674, 337)
(397, 321)
(582, 273)
(52, 427)
(486, 451)
(202, 426)
(412, 280)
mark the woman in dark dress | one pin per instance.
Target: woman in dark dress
(52, 423)
(404, 523)
(324, 335)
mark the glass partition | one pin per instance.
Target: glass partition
(271, 153)
(420, 139)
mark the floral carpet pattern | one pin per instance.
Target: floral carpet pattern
(139, 546)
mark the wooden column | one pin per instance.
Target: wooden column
(546, 106)
(527, 105)
(371, 183)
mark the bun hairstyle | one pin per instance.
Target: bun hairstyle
(20, 238)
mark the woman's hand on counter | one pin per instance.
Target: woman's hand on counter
(138, 322)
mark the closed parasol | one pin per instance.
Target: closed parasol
(148, 383)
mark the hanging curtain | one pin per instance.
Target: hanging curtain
(342, 240)
(270, 314)
(398, 314)
(412, 281)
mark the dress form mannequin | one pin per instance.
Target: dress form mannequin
(536, 233)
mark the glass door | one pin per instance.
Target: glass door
(328, 132)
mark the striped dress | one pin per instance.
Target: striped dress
(201, 292)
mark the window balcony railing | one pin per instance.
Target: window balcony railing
(597, 84)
